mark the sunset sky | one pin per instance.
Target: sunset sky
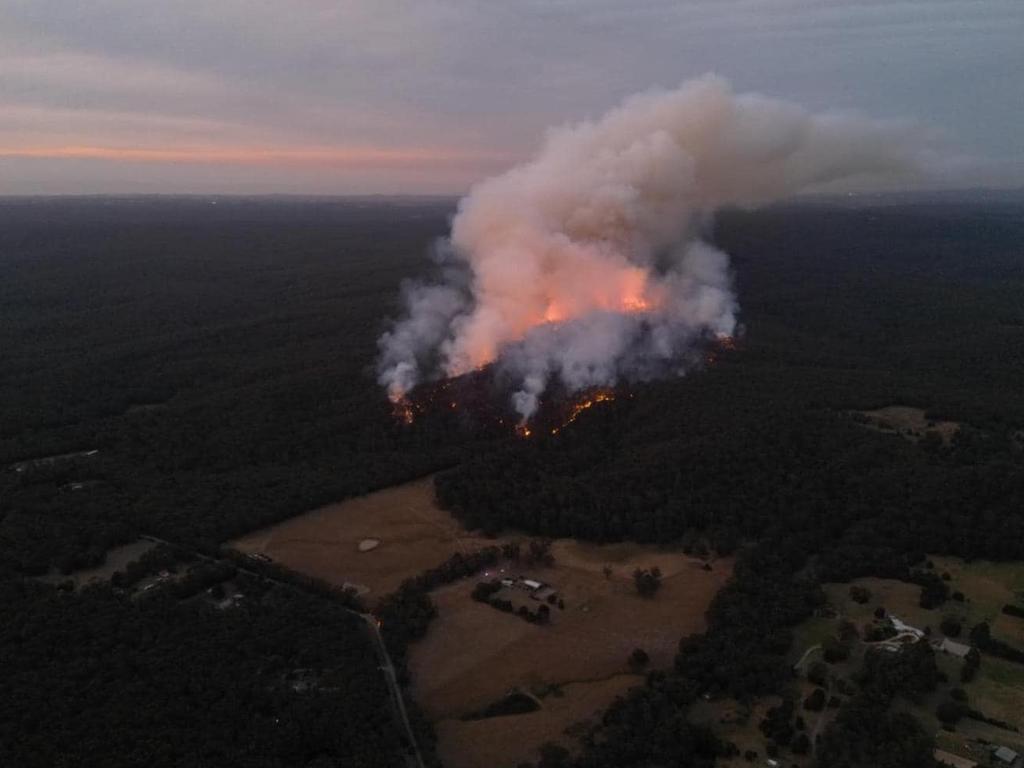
(428, 96)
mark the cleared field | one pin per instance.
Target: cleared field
(998, 688)
(909, 422)
(584, 650)
(512, 740)
(116, 559)
(473, 654)
(413, 535)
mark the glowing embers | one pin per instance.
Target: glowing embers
(403, 410)
(587, 401)
(721, 344)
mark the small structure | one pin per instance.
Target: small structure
(948, 758)
(530, 584)
(1006, 756)
(367, 545)
(902, 627)
(954, 648)
(507, 582)
(543, 593)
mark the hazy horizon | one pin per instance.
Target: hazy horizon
(356, 98)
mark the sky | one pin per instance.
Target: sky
(430, 96)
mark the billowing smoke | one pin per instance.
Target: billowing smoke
(586, 265)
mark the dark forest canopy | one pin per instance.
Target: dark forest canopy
(219, 359)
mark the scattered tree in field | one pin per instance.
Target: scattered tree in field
(540, 553)
(647, 581)
(970, 668)
(949, 711)
(638, 659)
(859, 594)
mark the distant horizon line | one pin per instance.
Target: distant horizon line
(413, 196)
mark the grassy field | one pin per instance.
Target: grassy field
(473, 654)
(511, 740)
(575, 666)
(998, 688)
(909, 422)
(414, 535)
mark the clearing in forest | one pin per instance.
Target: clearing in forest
(997, 690)
(411, 532)
(574, 667)
(911, 423)
(473, 654)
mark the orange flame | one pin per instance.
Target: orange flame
(589, 401)
(403, 411)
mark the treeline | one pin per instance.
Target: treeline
(217, 358)
(96, 679)
(867, 732)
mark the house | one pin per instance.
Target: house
(1006, 756)
(543, 593)
(902, 627)
(954, 648)
(948, 758)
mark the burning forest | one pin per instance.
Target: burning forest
(590, 266)
(480, 400)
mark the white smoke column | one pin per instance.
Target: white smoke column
(585, 264)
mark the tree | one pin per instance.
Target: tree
(553, 756)
(950, 626)
(859, 594)
(817, 673)
(949, 712)
(801, 744)
(835, 650)
(647, 581)
(970, 668)
(816, 701)
(638, 659)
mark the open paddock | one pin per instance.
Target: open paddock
(474, 654)
(410, 533)
(583, 651)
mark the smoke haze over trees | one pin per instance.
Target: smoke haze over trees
(588, 265)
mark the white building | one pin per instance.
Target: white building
(1006, 756)
(901, 627)
(954, 648)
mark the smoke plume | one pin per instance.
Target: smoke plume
(586, 265)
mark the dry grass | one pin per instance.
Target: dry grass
(583, 651)
(514, 739)
(473, 654)
(414, 535)
(909, 422)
